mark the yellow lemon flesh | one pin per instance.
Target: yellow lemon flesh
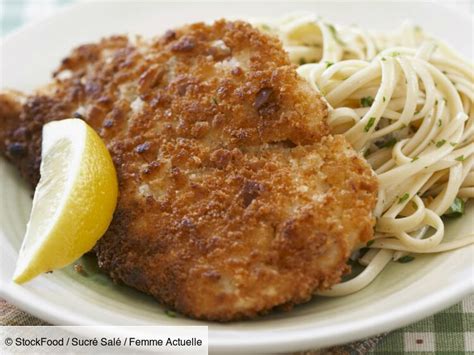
(74, 201)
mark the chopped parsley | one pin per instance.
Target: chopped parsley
(440, 143)
(383, 99)
(390, 143)
(170, 313)
(369, 124)
(214, 100)
(335, 35)
(328, 64)
(302, 61)
(456, 209)
(414, 159)
(414, 205)
(440, 123)
(460, 158)
(370, 242)
(395, 54)
(367, 101)
(453, 144)
(406, 259)
(405, 197)
(383, 59)
(387, 144)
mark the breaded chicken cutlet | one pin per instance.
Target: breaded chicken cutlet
(234, 198)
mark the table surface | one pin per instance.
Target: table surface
(448, 332)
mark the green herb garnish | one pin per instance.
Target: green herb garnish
(456, 209)
(328, 64)
(214, 100)
(390, 143)
(460, 158)
(406, 259)
(335, 35)
(415, 159)
(440, 143)
(302, 61)
(370, 242)
(440, 123)
(367, 101)
(405, 197)
(387, 144)
(369, 124)
(383, 99)
(170, 313)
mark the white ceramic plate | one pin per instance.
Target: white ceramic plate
(403, 294)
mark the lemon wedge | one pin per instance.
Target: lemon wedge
(74, 201)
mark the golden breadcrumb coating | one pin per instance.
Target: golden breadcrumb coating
(234, 198)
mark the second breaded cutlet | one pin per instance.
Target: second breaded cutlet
(234, 198)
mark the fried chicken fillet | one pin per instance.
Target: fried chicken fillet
(234, 197)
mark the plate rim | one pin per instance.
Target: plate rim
(299, 340)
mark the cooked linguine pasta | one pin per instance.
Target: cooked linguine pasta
(405, 100)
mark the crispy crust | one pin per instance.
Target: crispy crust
(233, 197)
(245, 231)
